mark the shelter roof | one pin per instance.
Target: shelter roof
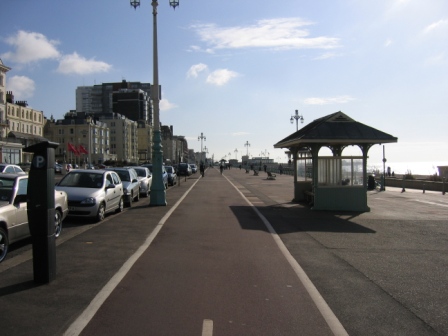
(335, 129)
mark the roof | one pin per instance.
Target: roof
(335, 129)
(19, 135)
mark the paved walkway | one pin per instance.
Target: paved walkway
(210, 263)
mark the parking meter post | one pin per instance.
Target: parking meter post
(40, 203)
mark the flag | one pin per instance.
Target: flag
(72, 149)
(82, 150)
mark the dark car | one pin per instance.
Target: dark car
(184, 169)
(164, 173)
(172, 176)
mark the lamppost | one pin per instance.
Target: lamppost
(236, 154)
(297, 117)
(247, 145)
(201, 137)
(158, 193)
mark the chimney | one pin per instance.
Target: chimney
(9, 97)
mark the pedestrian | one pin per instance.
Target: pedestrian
(265, 167)
(202, 169)
(221, 167)
(280, 168)
(240, 167)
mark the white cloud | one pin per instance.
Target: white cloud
(388, 43)
(30, 47)
(436, 26)
(435, 60)
(326, 56)
(166, 105)
(221, 76)
(76, 64)
(326, 101)
(281, 33)
(22, 87)
(196, 69)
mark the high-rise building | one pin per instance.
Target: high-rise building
(131, 99)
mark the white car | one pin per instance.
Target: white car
(145, 179)
(14, 211)
(92, 193)
(11, 169)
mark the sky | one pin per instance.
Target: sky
(235, 71)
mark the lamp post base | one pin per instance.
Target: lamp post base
(158, 193)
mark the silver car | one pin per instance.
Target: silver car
(13, 211)
(92, 193)
(11, 169)
(145, 179)
(131, 186)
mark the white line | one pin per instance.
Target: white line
(78, 326)
(335, 325)
(207, 328)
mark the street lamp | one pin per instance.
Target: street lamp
(247, 145)
(158, 193)
(201, 137)
(297, 117)
(206, 152)
(236, 154)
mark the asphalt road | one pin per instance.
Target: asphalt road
(214, 267)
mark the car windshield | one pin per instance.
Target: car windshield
(82, 180)
(169, 170)
(124, 175)
(140, 172)
(6, 186)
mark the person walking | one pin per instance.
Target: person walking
(221, 167)
(202, 169)
(280, 168)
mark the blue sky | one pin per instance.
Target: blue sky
(237, 70)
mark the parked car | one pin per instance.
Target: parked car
(26, 166)
(184, 169)
(194, 168)
(11, 169)
(172, 176)
(145, 179)
(92, 193)
(14, 211)
(164, 173)
(131, 186)
(57, 168)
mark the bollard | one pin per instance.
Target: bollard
(443, 186)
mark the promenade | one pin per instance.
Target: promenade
(232, 255)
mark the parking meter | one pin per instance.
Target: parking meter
(40, 203)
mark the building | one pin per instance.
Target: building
(123, 136)
(3, 124)
(82, 139)
(131, 99)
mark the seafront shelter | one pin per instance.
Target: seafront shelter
(334, 182)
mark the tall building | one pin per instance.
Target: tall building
(131, 99)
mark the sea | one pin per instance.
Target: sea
(414, 168)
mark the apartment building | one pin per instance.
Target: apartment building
(82, 139)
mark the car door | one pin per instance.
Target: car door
(19, 215)
(117, 192)
(111, 195)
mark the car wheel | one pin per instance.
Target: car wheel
(101, 213)
(120, 205)
(4, 244)
(57, 223)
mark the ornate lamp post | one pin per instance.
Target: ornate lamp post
(247, 145)
(236, 154)
(158, 194)
(201, 137)
(297, 117)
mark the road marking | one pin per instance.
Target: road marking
(207, 328)
(81, 322)
(333, 323)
